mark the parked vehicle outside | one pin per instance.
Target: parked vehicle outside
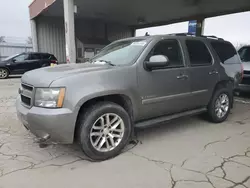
(131, 83)
(244, 53)
(21, 63)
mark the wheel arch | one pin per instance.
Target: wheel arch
(120, 99)
(3, 67)
(224, 84)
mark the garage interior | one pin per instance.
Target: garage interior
(75, 30)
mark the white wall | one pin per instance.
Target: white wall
(51, 36)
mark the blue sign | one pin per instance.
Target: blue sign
(192, 27)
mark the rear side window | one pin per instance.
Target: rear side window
(49, 57)
(198, 53)
(34, 57)
(226, 52)
(245, 54)
(52, 57)
(46, 56)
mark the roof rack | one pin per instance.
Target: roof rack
(193, 35)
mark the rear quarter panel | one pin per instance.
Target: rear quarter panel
(230, 69)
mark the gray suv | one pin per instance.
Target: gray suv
(134, 82)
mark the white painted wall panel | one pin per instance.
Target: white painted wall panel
(51, 37)
(9, 49)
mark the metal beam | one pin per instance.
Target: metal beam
(200, 27)
(69, 30)
(188, 18)
(34, 35)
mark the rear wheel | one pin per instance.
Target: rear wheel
(220, 105)
(4, 73)
(105, 129)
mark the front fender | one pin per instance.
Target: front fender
(91, 96)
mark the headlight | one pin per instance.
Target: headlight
(49, 97)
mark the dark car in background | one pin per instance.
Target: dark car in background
(21, 63)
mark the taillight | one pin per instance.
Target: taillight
(242, 71)
(54, 61)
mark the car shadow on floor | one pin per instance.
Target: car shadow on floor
(176, 125)
(15, 77)
(160, 131)
(244, 95)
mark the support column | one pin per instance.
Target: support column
(34, 35)
(200, 27)
(133, 32)
(69, 30)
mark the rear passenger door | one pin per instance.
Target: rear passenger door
(33, 61)
(203, 72)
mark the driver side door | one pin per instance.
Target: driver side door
(165, 90)
(19, 64)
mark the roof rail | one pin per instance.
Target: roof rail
(212, 37)
(182, 34)
(193, 35)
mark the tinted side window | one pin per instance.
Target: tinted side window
(225, 52)
(171, 49)
(198, 53)
(21, 57)
(52, 57)
(34, 57)
(46, 56)
(245, 53)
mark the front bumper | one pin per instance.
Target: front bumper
(244, 87)
(54, 125)
(245, 84)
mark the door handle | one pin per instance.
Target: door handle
(182, 77)
(213, 72)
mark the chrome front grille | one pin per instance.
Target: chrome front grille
(27, 95)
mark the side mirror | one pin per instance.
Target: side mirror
(157, 61)
(13, 60)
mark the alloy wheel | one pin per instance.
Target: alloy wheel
(107, 132)
(222, 105)
(3, 73)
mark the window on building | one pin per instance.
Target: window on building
(198, 53)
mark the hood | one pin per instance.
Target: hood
(45, 76)
(2, 62)
(246, 65)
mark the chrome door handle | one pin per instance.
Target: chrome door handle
(182, 76)
(213, 72)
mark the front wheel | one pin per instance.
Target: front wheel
(105, 129)
(4, 73)
(220, 105)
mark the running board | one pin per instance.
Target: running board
(162, 119)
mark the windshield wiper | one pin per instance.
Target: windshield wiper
(104, 61)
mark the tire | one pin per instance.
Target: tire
(213, 107)
(4, 73)
(91, 123)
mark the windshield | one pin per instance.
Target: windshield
(10, 57)
(120, 53)
(245, 54)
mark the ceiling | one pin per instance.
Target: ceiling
(144, 13)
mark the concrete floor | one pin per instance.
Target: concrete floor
(189, 152)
